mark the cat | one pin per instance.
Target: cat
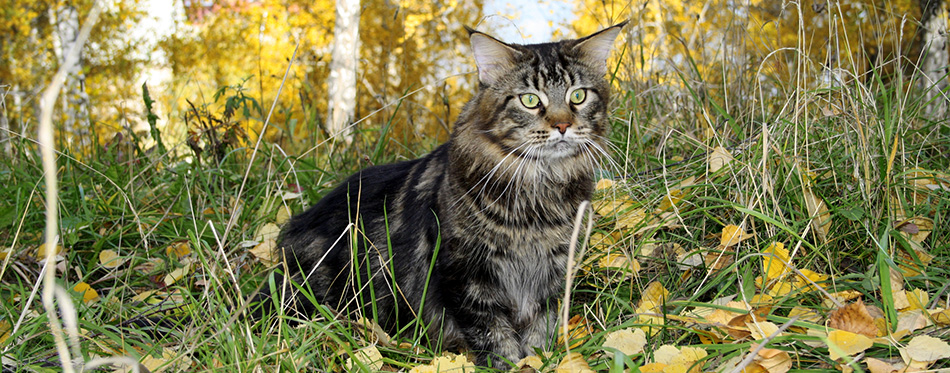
(472, 238)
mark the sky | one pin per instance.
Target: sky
(533, 23)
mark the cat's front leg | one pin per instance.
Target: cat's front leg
(490, 335)
(540, 330)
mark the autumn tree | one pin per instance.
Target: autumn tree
(407, 78)
(341, 87)
(33, 36)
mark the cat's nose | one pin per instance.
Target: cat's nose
(562, 126)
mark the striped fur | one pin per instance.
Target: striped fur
(493, 206)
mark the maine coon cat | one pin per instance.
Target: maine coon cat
(472, 238)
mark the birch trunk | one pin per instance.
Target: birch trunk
(342, 81)
(76, 126)
(934, 57)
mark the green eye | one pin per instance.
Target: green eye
(530, 100)
(578, 96)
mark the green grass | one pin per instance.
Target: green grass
(862, 148)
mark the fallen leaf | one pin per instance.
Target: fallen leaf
(265, 252)
(655, 293)
(283, 215)
(847, 343)
(579, 330)
(732, 235)
(773, 360)
(88, 293)
(774, 261)
(41, 251)
(853, 318)
(176, 275)
(818, 211)
(178, 250)
(761, 330)
(604, 184)
(917, 299)
(368, 356)
(265, 232)
(912, 320)
(533, 361)
(448, 363)
(110, 259)
(573, 363)
(925, 348)
(5, 329)
(628, 341)
(665, 354)
(718, 158)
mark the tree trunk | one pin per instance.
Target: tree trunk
(934, 57)
(76, 126)
(342, 81)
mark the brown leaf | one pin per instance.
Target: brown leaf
(853, 318)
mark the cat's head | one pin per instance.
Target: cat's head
(544, 102)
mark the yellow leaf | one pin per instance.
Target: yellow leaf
(88, 293)
(283, 215)
(268, 231)
(604, 184)
(4, 253)
(732, 235)
(665, 354)
(110, 259)
(672, 199)
(5, 329)
(654, 293)
(652, 368)
(140, 297)
(609, 207)
(533, 361)
(41, 251)
(774, 261)
(177, 274)
(635, 218)
(619, 261)
(265, 252)
(917, 299)
(810, 278)
(369, 356)
(818, 211)
(628, 341)
(941, 316)
(178, 250)
(924, 348)
(773, 360)
(718, 158)
(448, 363)
(573, 363)
(761, 330)
(579, 330)
(847, 343)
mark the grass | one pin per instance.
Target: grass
(863, 148)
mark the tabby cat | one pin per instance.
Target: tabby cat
(472, 238)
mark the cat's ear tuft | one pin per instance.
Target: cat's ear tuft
(493, 58)
(595, 48)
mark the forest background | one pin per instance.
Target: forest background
(180, 154)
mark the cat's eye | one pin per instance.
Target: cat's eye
(530, 100)
(578, 96)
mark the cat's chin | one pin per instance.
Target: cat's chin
(562, 149)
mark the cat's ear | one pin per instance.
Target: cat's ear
(595, 48)
(492, 57)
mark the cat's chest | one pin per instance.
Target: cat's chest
(527, 281)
